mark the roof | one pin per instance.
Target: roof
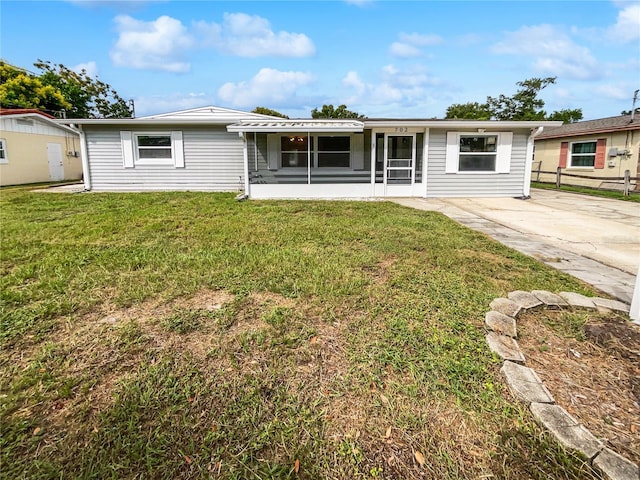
(336, 125)
(299, 125)
(23, 111)
(36, 115)
(600, 125)
(209, 115)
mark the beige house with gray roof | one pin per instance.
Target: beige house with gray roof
(601, 148)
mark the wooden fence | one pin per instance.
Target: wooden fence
(626, 180)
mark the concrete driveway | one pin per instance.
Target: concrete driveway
(592, 238)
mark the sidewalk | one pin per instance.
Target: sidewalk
(589, 238)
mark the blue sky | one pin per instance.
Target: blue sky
(381, 58)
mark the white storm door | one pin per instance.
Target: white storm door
(399, 165)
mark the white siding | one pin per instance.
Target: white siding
(213, 161)
(36, 127)
(441, 184)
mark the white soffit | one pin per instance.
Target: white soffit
(297, 126)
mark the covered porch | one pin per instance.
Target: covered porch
(330, 159)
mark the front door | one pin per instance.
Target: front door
(399, 165)
(56, 167)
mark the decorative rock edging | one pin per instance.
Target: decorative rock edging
(526, 386)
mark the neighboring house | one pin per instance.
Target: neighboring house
(218, 149)
(35, 148)
(605, 147)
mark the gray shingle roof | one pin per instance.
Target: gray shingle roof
(600, 125)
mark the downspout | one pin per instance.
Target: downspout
(528, 164)
(86, 171)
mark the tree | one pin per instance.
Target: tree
(523, 105)
(268, 111)
(329, 111)
(471, 110)
(89, 97)
(20, 89)
(567, 115)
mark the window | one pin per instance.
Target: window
(478, 152)
(583, 154)
(3, 151)
(295, 151)
(326, 151)
(334, 151)
(152, 148)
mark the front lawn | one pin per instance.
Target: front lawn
(186, 335)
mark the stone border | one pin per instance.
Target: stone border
(526, 386)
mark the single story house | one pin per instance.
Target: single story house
(35, 148)
(219, 149)
(602, 148)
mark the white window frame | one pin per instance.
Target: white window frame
(570, 155)
(313, 137)
(152, 161)
(3, 148)
(503, 152)
(131, 153)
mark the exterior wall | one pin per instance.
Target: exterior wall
(213, 161)
(547, 151)
(441, 184)
(27, 159)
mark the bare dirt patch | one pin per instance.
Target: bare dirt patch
(594, 372)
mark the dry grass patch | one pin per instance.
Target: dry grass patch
(591, 364)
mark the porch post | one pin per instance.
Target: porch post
(245, 157)
(308, 158)
(373, 163)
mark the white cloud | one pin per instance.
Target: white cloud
(154, 104)
(91, 68)
(251, 36)
(627, 26)
(422, 40)
(615, 92)
(553, 52)
(408, 44)
(397, 87)
(268, 87)
(404, 50)
(157, 45)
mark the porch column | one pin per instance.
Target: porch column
(308, 158)
(245, 156)
(373, 163)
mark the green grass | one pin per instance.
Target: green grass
(633, 196)
(186, 335)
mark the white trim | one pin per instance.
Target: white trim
(126, 140)
(570, 155)
(528, 161)
(84, 156)
(3, 147)
(177, 148)
(504, 143)
(425, 160)
(296, 126)
(245, 158)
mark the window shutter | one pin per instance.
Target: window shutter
(451, 160)
(357, 151)
(503, 157)
(564, 151)
(126, 139)
(178, 148)
(273, 151)
(601, 147)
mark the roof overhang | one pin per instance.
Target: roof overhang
(280, 126)
(48, 120)
(462, 124)
(132, 122)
